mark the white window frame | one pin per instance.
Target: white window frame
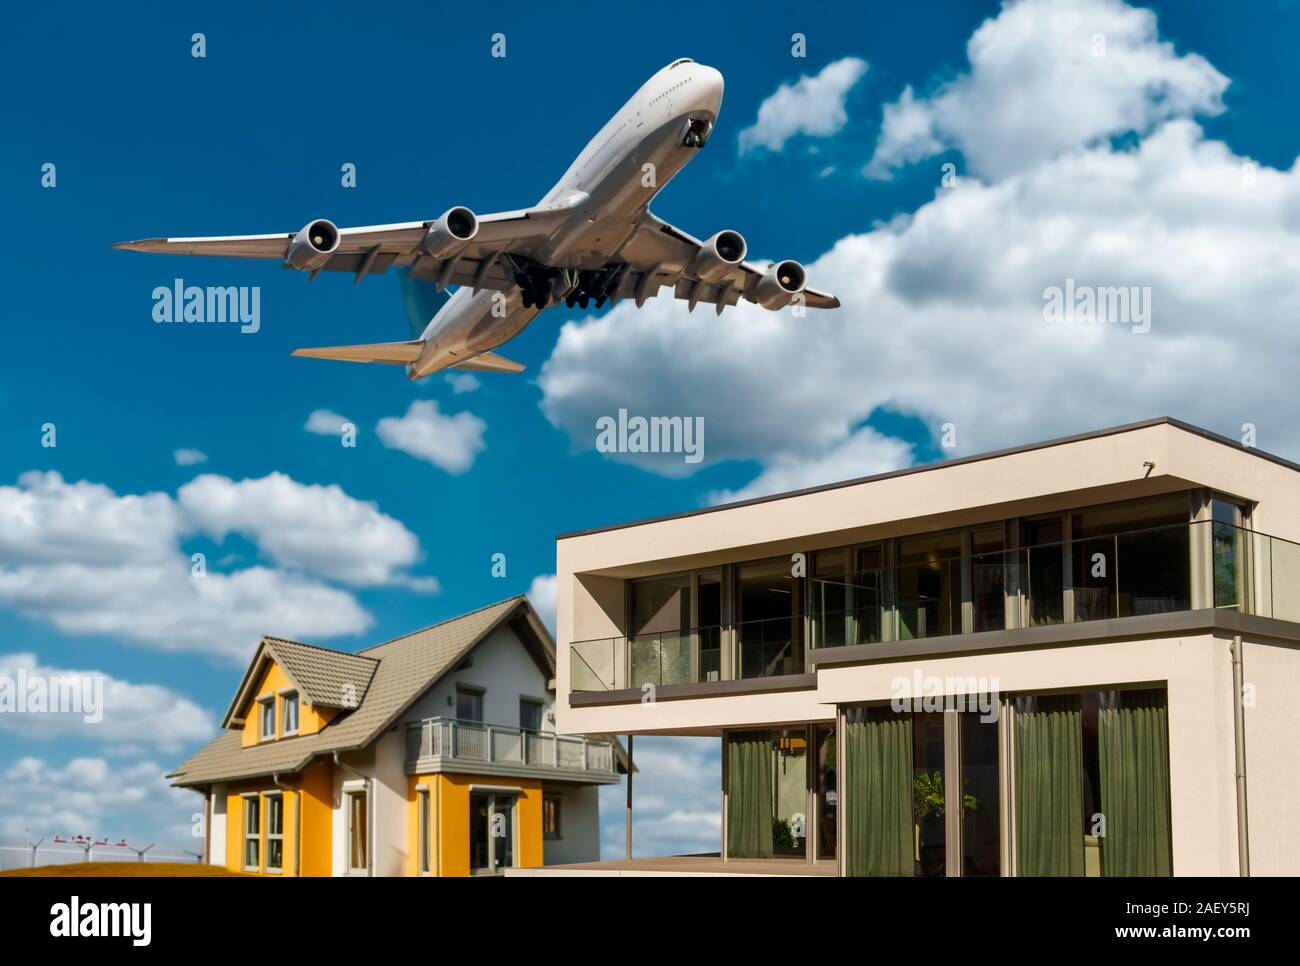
(262, 704)
(360, 789)
(289, 699)
(267, 798)
(252, 807)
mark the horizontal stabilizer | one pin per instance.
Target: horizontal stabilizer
(490, 362)
(396, 353)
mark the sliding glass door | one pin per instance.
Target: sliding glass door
(1092, 784)
(921, 793)
(769, 632)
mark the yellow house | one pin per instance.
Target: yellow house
(431, 754)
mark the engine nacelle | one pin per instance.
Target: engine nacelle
(449, 235)
(779, 284)
(312, 247)
(719, 255)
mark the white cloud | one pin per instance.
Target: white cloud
(325, 422)
(1046, 77)
(96, 797)
(813, 106)
(90, 561)
(462, 382)
(137, 715)
(541, 594)
(451, 443)
(864, 453)
(676, 805)
(189, 457)
(943, 314)
(316, 528)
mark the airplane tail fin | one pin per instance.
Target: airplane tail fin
(421, 300)
(394, 353)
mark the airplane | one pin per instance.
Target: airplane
(591, 239)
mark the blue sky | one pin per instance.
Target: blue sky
(149, 140)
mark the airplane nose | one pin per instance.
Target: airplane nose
(710, 83)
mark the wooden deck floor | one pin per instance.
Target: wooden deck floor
(710, 864)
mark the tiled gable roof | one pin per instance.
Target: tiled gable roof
(403, 669)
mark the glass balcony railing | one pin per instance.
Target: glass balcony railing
(1155, 570)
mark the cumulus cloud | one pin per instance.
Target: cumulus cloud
(676, 808)
(325, 422)
(462, 382)
(541, 594)
(864, 453)
(1045, 77)
(90, 561)
(451, 443)
(943, 315)
(812, 106)
(131, 715)
(315, 528)
(189, 457)
(94, 796)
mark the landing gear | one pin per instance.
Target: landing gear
(542, 285)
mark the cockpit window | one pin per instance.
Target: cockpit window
(680, 61)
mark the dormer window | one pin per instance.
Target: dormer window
(266, 718)
(288, 713)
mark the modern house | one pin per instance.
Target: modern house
(431, 754)
(1079, 657)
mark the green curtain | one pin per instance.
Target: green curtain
(1133, 735)
(878, 816)
(1049, 789)
(749, 796)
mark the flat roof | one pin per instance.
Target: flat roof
(943, 464)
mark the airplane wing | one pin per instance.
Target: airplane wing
(660, 254)
(373, 249)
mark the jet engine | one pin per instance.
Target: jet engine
(718, 256)
(449, 235)
(312, 247)
(779, 284)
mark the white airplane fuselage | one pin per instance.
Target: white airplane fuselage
(605, 192)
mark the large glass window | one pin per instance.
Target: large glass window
(1230, 553)
(767, 793)
(827, 789)
(1092, 784)
(709, 626)
(988, 579)
(847, 597)
(659, 647)
(980, 822)
(929, 585)
(1044, 569)
(1131, 558)
(770, 629)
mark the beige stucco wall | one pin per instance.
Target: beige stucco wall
(1272, 681)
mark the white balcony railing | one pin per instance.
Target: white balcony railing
(474, 742)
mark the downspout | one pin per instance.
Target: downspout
(297, 823)
(370, 812)
(1239, 755)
